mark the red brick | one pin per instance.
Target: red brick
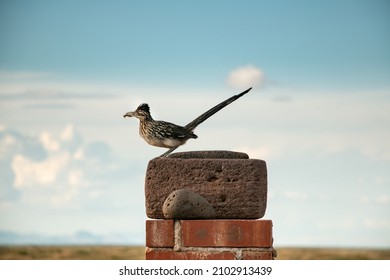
(227, 233)
(160, 233)
(256, 255)
(169, 254)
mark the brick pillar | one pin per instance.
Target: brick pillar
(232, 239)
(236, 188)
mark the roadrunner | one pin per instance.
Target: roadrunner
(168, 135)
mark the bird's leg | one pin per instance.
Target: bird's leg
(168, 152)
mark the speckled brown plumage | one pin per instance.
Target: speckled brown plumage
(168, 135)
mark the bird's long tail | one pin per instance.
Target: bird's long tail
(192, 125)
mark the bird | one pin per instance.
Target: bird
(168, 135)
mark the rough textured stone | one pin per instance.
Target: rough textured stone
(210, 154)
(185, 204)
(236, 188)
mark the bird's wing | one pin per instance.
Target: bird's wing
(170, 130)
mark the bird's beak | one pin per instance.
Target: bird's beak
(129, 114)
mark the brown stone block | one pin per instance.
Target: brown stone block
(235, 188)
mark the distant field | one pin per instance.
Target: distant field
(137, 253)
(72, 253)
(332, 254)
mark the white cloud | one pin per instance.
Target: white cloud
(48, 142)
(79, 154)
(56, 177)
(7, 144)
(75, 177)
(31, 174)
(68, 133)
(246, 76)
(46, 86)
(55, 166)
(69, 172)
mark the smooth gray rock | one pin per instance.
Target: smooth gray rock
(185, 204)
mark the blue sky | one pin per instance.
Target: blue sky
(318, 113)
(171, 42)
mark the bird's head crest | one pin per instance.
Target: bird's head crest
(144, 107)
